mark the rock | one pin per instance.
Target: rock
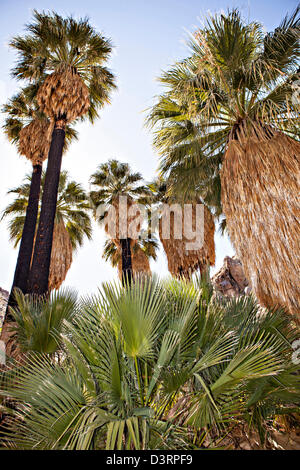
(286, 441)
(245, 446)
(3, 301)
(230, 281)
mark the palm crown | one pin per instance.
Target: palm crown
(56, 44)
(21, 110)
(235, 73)
(115, 179)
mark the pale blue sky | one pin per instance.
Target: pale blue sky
(148, 36)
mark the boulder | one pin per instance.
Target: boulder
(230, 280)
(3, 301)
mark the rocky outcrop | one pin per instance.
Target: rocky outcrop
(3, 301)
(230, 280)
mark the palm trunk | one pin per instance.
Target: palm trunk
(27, 241)
(260, 199)
(23, 261)
(126, 262)
(39, 273)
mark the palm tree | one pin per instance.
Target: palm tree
(112, 181)
(30, 130)
(72, 223)
(68, 57)
(183, 261)
(142, 251)
(237, 88)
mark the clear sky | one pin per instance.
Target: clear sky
(148, 35)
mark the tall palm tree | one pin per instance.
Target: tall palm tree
(68, 57)
(182, 262)
(72, 223)
(111, 181)
(30, 130)
(237, 88)
(144, 250)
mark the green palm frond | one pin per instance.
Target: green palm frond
(235, 71)
(22, 109)
(55, 43)
(132, 356)
(38, 322)
(73, 208)
(114, 179)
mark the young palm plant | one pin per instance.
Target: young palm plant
(72, 223)
(68, 56)
(111, 182)
(237, 89)
(154, 366)
(38, 322)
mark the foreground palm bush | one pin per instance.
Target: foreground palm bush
(158, 365)
(37, 323)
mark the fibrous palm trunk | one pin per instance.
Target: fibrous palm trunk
(61, 256)
(39, 273)
(182, 262)
(260, 198)
(139, 261)
(118, 228)
(126, 261)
